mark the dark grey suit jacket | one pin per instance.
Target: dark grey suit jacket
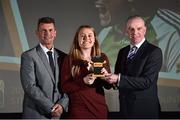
(138, 82)
(41, 89)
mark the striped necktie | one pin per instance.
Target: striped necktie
(132, 52)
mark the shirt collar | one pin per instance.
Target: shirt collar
(139, 44)
(45, 49)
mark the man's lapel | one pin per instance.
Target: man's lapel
(43, 58)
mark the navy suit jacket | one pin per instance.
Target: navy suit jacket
(138, 81)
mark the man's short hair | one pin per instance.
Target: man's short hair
(45, 20)
(135, 16)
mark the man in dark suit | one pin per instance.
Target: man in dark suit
(40, 75)
(136, 73)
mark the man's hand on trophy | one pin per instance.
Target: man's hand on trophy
(112, 78)
(89, 79)
(104, 71)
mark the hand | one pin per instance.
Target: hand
(56, 111)
(111, 78)
(89, 79)
(104, 71)
(90, 67)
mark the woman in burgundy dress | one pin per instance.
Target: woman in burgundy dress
(85, 91)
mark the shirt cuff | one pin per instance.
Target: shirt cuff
(116, 85)
(118, 81)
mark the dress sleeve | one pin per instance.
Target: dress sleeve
(70, 84)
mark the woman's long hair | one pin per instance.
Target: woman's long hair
(75, 51)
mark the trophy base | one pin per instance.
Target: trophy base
(98, 75)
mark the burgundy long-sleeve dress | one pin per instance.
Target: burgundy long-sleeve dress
(86, 101)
